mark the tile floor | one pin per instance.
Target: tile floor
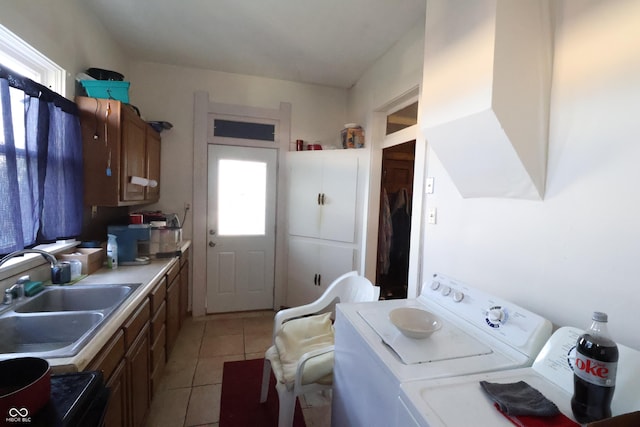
(189, 392)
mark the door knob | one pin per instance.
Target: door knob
(211, 244)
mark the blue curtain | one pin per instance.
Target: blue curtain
(41, 171)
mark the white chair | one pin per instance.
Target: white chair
(314, 368)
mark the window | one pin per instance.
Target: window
(41, 176)
(244, 130)
(242, 198)
(22, 58)
(403, 118)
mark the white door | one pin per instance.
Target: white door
(241, 228)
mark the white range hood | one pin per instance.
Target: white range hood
(485, 94)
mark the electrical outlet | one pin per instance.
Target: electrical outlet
(430, 185)
(432, 214)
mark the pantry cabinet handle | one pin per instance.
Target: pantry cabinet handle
(322, 199)
(318, 198)
(319, 279)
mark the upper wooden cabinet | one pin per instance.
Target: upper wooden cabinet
(118, 145)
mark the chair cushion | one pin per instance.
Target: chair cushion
(300, 336)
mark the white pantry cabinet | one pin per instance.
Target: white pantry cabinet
(326, 192)
(323, 194)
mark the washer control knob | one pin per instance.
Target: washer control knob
(458, 296)
(446, 290)
(496, 315)
(435, 285)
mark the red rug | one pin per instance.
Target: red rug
(240, 403)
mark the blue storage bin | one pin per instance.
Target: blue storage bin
(107, 89)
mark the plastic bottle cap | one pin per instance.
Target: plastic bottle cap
(599, 316)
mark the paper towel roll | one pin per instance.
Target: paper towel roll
(138, 180)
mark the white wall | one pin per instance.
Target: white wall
(577, 250)
(397, 73)
(165, 92)
(64, 32)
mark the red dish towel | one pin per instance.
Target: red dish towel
(558, 420)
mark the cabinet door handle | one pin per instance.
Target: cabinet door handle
(319, 279)
(322, 199)
(315, 279)
(319, 198)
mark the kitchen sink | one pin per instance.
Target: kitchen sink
(76, 298)
(59, 321)
(28, 334)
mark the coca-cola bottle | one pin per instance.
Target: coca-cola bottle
(594, 373)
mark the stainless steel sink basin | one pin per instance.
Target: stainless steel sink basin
(59, 321)
(28, 334)
(76, 298)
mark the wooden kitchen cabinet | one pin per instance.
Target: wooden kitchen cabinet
(173, 306)
(117, 145)
(323, 194)
(116, 414)
(133, 360)
(312, 266)
(153, 163)
(157, 300)
(184, 286)
(110, 361)
(138, 366)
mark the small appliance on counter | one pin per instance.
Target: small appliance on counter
(165, 235)
(128, 237)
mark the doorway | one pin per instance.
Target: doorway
(206, 133)
(394, 227)
(241, 218)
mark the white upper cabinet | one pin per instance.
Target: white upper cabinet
(323, 194)
(485, 94)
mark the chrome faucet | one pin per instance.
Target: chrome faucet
(15, 291)
(18, 287)
(46, 255)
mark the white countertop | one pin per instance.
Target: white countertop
(148, 275)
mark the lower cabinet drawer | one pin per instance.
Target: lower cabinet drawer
(158, 321)
(158, 361)
(158, 353)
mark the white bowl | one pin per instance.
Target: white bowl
(414, 322)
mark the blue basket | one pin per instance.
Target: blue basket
(107, 89)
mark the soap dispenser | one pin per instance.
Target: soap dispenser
(112, 251)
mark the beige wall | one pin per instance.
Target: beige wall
(66, 33)
(165, 92)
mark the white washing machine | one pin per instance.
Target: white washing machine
(436, 403)
(480, 333)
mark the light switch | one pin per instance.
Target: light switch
(432, 215)
(430, 185)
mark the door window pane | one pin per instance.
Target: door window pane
(242, 195)
(244, 130)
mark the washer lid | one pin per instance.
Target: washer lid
(450, 342)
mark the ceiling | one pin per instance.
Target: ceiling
(327, 42)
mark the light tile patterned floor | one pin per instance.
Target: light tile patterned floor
(189, 392)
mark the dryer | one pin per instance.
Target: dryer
(480, 333)
(436, 403)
